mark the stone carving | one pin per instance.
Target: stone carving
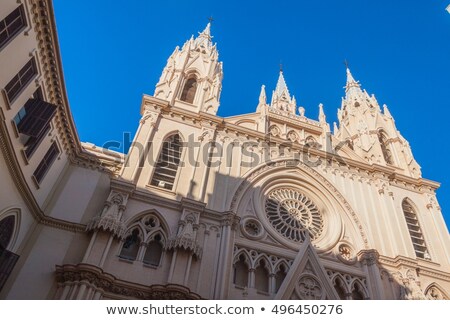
(309, 288)
(274, 131)
(252, 228)
(149, 116)
(292, 214)
(186, 237)
(346, 253)
(434, 293)
(110, 218)
(293, 136)
(409, 285)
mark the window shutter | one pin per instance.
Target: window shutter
(38, 115)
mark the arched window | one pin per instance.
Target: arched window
(167, 166)
(131, 245)
(262, 277)
(154, 251)
(279, 277)
(357, 292)
(6, 231)
(188, 93)
(240, 275)
(340, 288)
(387, 154)
(415, 232)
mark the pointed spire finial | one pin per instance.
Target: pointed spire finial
(262, 95)
(281, 85)
(206, 33)
(351, 82)
(322, 117)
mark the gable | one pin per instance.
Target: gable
(307, 278)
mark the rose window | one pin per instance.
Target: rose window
(292, 214)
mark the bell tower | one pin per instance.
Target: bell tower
(371, 132)
(192, 78)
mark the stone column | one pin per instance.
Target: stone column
(369, 260)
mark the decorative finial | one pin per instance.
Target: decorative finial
(346, 63)
(210, 19)
(281, 66)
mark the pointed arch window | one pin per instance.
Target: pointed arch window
(154, 251)
(6, 231)
(169, 160)
(131, 246)
(262, 277)
(415, 232)
(279, 277)
(357, 292)
(189, 90)
(385, 148)
(340, 288)
(240, 275)
(8, 259)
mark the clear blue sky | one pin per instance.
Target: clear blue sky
(114, 51)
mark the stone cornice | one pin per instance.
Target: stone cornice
(49, 52)
(313, 128)
(111, 285)
(427, 268)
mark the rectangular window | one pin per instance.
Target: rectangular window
(46, 162)
(21, 80)
(11, 25)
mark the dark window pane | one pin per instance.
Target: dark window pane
(38, 115)
(46, 162)
(34, 142)
(6, 230)
(21, 80)
(11, 25)
(3, 37)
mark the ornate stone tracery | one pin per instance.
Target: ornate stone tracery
(309, 288)
(292, 214)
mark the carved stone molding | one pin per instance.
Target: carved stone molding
(110, 219)
(68, 275)
(368, 257)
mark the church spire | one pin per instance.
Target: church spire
(281, 99)
(192, 78)
(281, 86)
(206, 33)
(351, 82)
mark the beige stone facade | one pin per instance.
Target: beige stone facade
(267, 205)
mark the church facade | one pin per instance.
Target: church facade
(266, 205)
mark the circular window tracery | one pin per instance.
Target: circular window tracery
(292, 214)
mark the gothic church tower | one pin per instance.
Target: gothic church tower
(192, 78)
(372, 133)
